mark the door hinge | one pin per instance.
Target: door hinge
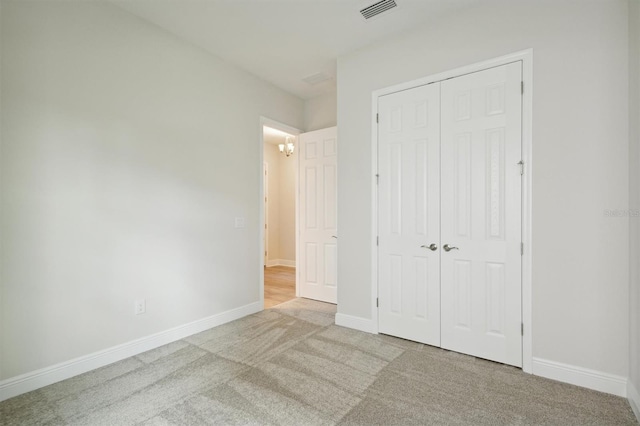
(522, 329)
(521, 249)
(377, 179)
(377, 118)
(377, 241)
(522, 87)
(521, 164)
(377, 303)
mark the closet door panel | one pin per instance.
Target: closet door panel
(481, 214)
(409, 214)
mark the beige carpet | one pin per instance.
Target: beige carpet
(291, 365)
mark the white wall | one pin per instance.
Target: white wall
(281, 203)
(287, 170)
(634, 199)
(271, 154)
(126, 156)
(320, 112)
(580, 149)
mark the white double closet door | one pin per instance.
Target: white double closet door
(449, 214)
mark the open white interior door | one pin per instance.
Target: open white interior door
(317, 262)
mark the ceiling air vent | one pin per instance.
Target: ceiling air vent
(378, 8)
(316, 78)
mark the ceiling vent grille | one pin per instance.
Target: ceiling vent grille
(378, 8)
(316, 78)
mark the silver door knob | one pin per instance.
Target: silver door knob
(431, 247)
(447, 247)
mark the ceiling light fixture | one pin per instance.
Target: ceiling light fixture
(287, 147)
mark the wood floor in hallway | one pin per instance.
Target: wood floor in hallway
(279, 285)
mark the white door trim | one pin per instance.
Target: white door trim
(526, 56)
(265, 121)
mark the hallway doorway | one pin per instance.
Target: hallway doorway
(280, 169)
(279, 285)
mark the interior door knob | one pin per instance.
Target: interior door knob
(447, 247)
(431, 247)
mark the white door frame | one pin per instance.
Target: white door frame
(265, 121)
(526, 56)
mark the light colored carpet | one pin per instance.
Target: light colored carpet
(290, 365)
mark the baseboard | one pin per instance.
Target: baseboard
(281, 262)
(363, 324)
(634, 399)
(592, 379)
(49, 375)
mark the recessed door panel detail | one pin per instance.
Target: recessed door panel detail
(311, 150)
(318, 214)
(422, 187)
(422, 114)
(330, 264)
(449, 214)
(329, 147)
(395, 187)
(462, 173)
(462, 293)
(495, 99)
(395, 269)
(495, 297)
(395, 120)
(421, 278)
(311, 189)
(311, 256)
(462, 106)
(495, 183)
(330, 196)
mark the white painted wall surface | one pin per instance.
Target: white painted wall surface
(634, 198)
(271, 154)
(281, 202)
(126, 156)
(287, 170)
(321, 112)
(580, 150)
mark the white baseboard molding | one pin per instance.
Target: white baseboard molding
(65, 370)
(363, 324)
(579, 376)
(281, 262)
(634, 399)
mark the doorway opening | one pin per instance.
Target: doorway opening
(279, 175)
